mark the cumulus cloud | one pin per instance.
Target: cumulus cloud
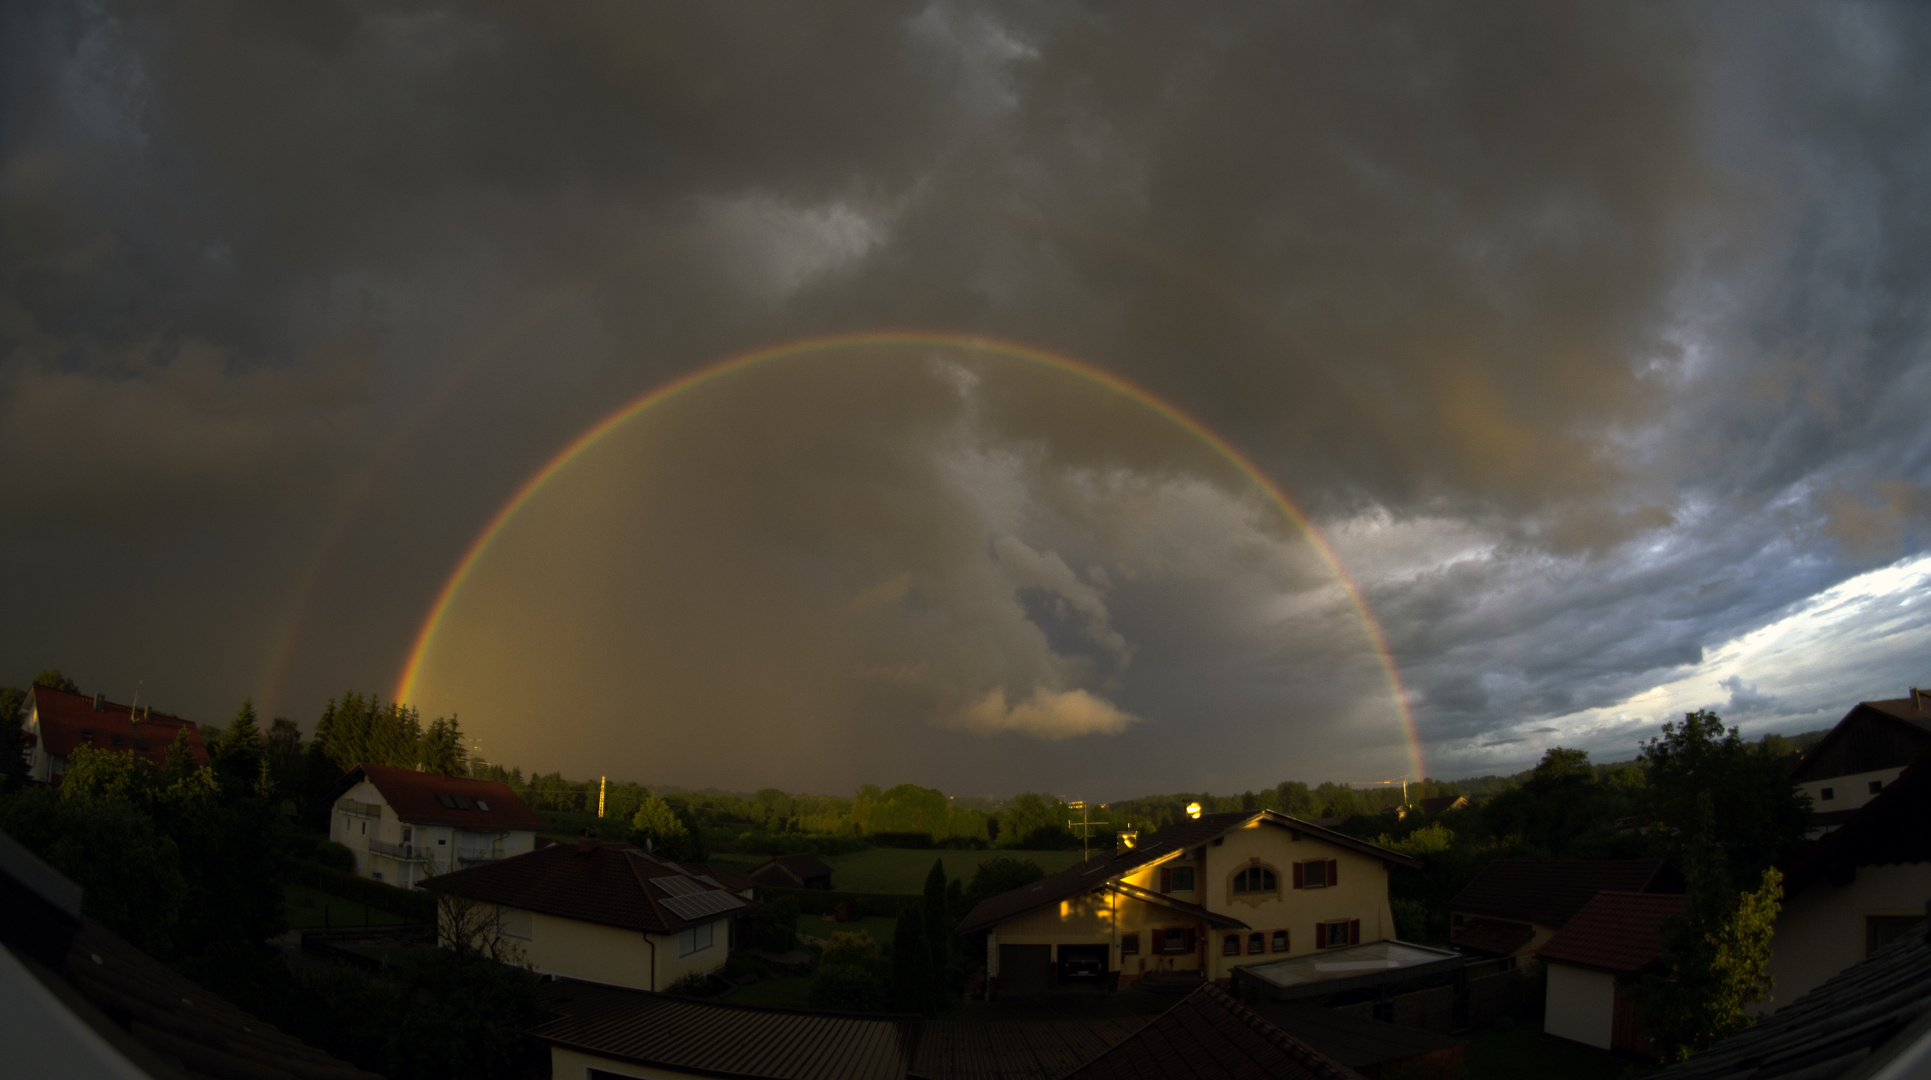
(1066, 714)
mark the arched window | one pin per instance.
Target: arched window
(1256, 879)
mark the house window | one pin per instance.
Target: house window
(1174, 942)
(376, 874)
(1230, 945)
(1256, 879)
(365, 828)
(1339, 932)
(1256, 944)
(481, 805)
(408, 834)
(1280, 941)
(442, 839)
(1183, 879)
(1129, 944)
(1827, 794)
(694, 940)
(142, 745)
(512, 923)
(114, 737)
(1877, 786)
(1316, 874)
(1881, 930)
(87, 734)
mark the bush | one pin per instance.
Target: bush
(849, 947)
(847, 988)
(410, 904)
(778, 929)
(698, 986)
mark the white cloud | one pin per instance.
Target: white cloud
(1046, 715)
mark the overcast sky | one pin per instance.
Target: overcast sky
(1593, 337)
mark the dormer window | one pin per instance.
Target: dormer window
(461, 803)
(481, 805)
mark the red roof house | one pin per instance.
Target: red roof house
(1614, 940)
(58, 723)
(404, 826)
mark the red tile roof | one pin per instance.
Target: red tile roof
(1550, 893)
(69, 720)
(414, 796)
(609, 884)
(790, 870)
(1617, 931)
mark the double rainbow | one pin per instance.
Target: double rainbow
(425, 637)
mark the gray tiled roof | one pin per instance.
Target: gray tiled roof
(1866, 1010)
(1210, 1036)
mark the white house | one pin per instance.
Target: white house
(1869, 748)
(404, 826)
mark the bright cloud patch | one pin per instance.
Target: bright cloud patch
(1046, 715)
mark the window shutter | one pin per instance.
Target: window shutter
(1166, 880)
(1300, 875)
(1354, 931)
(1334, 872)
(1320, 935)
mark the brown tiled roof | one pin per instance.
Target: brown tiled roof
(790, 868)
(1551, 893)
(69, 720)
(610, 884)
(1015, 1049)
(1495, 936)
(1359, 1041)
(414, 796)
(1172, 841)
(712, 1038)
(1616, 931)
(1210, 1036)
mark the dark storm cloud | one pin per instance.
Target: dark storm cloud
(1594, 333)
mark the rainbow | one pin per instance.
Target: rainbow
(425, 636)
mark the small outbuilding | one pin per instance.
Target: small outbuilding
(1514, 906)
(793, 872)
(1613, 941)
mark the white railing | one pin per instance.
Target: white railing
(362, 809)
(401, 852)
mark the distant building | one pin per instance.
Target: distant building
(58, 722)
(1442, 804)
(1200, 899)
(606, 913)
(1858, 889)
(793, 872)
(1613, 941)
(404, 826)
(1868, 748)
(1514, 906)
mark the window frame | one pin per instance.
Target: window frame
(687, 939)
(1263, 874)
(1192, 879)
(1230, 944)
(1282, 941)
(1130, 944)
(1257, 943)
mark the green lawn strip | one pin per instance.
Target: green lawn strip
(880, 930)
(1514, 1050)
(903, 870)
(792, 993)
(305, 908)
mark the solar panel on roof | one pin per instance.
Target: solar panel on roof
(699, 905)
(678, 886)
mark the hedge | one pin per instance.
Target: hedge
(410, 904)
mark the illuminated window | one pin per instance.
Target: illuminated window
(1280, 941)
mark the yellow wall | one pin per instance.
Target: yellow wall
(1821, 929)
(1362, 894)
(618, 957)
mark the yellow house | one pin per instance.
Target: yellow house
(599, 912)
(1201, 899)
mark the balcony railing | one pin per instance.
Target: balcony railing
(362, 809)
(475, 857)
(400, 852)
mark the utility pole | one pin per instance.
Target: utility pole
(1084, 826)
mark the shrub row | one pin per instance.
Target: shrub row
(825, 901)
(408, 903)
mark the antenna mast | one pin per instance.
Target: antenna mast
(1084, 827)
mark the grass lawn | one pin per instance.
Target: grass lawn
(310, 909)
(1523, 1050)
(901, 870)
(818, 926)
(793, 993)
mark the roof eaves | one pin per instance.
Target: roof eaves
(1163, 900)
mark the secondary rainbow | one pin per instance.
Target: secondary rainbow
(425, 636)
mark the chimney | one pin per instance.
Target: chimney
(1127, 838)
(100, 702)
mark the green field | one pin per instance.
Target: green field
(900, 870)
(310, 909)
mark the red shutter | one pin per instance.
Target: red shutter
(1166, 880)
(1354, 931)
(1334, 872)
(1320, 935)
(1300, 876)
